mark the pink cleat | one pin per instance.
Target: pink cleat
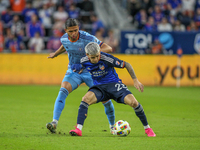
(150, 132)
(76, 132)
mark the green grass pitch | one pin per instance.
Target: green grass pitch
(173, 113)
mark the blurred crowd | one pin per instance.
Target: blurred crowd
(36, 26)
(165, 15)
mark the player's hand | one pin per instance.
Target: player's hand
(138, 85)
(77, 68)
(80, 71)
(51, 55)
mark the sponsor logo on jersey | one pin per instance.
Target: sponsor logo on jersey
(117, 63)
(101, 67)
(80, 49)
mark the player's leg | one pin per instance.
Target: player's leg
(70, 82)
(108, 105)
(87, 100)
(139, 111)
(110, 112)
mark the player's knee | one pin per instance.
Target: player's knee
(134, 103)
(67, 86)
(86, 99)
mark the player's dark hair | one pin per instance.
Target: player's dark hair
(71, 22)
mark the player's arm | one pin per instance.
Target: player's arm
(60, 50)
(131, 71)
(106, 48)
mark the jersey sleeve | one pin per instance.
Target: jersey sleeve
(112, 61)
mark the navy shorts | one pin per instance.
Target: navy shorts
(116, 91)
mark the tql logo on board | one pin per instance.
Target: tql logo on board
(139, 42)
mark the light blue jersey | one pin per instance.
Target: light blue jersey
(76, 50)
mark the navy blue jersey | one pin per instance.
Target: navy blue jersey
(103, 72)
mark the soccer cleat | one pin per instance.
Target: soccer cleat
(76, 132)
(51, 127)
(150, 132)
(112, 131)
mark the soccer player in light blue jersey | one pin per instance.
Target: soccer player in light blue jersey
(107, 85)
(74, 42)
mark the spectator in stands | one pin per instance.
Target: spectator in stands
(17, 5)
(16, 25)
(164, 25)
(141, 18)
(178, 26)
(14, 43)
(150, 25)
(97, 24)
(185, 18)
(4, 4)
(171, 19)
(73, 11)
(162, 4)
(175, 5)
(99, 35)
(147, 5)
(45, 14)
(157, 14)
(36, 43)
(60, 14)
(192, 27)
(197, 18)
(7, 16)
(86, 5)
(28, 11)
(188, 7)
(59, 26)
(68, 3)
(156, 47)
(34, 26)
(112, 40)
(54, 42)
(197, 5)
(134, 7)
(52, 4)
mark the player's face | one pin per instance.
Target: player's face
(72, 33)
(94, 58)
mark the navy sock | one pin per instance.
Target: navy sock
(82, 112)
(60, 103)
(110, 112)
(139, 111)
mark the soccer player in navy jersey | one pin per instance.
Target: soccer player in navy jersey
(107, 85)
(74, 42)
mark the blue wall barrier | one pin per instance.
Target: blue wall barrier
(136, 42)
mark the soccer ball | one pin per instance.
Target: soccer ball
(121, 128)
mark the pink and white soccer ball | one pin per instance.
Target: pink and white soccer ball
(122, 128)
